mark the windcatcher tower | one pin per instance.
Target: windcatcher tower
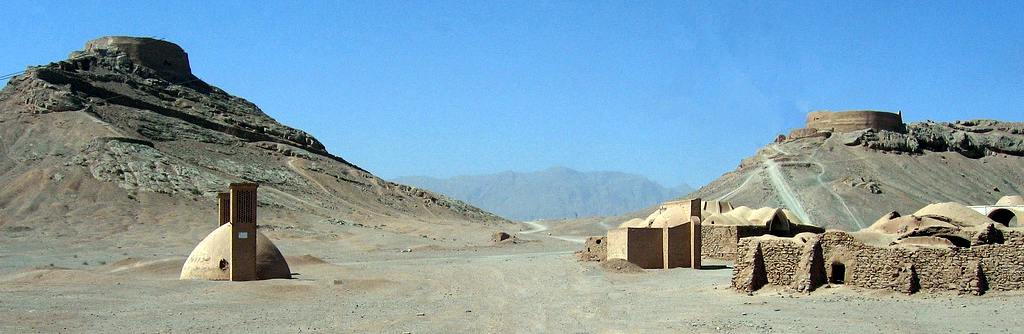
(243, 231)
(236, 251)
(223, 208)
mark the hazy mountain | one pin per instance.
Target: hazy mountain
(122, 138)
(552, 193)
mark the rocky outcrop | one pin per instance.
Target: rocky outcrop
(973, 139)
(113, 71)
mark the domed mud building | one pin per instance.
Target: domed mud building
(236, 251)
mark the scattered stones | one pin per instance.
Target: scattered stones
(500, 236)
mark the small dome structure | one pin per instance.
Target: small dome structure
(957, 213)
(1011, 200)
(211, 259)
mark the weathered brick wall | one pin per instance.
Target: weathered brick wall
(907, 269)
(594, 249)
(846, 121)
(718, 242)
(781, 258)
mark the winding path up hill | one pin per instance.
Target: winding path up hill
(849, 179)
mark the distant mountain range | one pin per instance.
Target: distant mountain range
(552, 193)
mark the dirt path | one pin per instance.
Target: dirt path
(471, 257)
(835, 195)
(782, 189)
(536, 227)
(738, 188)
(302, 172)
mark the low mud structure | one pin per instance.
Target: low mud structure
(942, 247)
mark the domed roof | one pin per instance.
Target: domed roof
(956, 212)
(1011, 200)
(211, 259)
(902, 224)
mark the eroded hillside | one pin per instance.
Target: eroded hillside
(849, 179)
(118, 138)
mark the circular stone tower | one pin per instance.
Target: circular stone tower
(167, 59)
(853, 120)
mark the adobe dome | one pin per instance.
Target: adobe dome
(1011, 200)
(956, 212)
(210, 260)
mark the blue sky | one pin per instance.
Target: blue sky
(676, 91)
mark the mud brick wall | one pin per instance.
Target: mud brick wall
(641, 246)
(719, 241)
(847, 121)
(594, 249)
(973, 270)
(781, 259)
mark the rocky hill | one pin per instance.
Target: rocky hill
(552, 193)
(121, 138)
(849, 179)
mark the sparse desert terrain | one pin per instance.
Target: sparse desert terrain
(528, 287)
(111, 162)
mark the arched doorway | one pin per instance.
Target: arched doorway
(778, 225)
(1004, 216)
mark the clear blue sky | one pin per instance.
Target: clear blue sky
(679, 92)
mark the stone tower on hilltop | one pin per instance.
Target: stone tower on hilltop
(823, 123)
(168, 60)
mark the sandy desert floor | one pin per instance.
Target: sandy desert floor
(530, 287)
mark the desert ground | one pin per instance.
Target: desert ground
(356, 285)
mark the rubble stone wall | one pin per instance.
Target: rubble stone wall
(720, 241)
(594, 249)
(974, 269)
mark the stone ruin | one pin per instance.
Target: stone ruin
(942, 247)
(236, 251)
(722, 231)
(823, 123)
(167, 60)
(594, 249)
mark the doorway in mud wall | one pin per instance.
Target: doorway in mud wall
(838, 273)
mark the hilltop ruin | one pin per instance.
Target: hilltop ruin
(824, 123)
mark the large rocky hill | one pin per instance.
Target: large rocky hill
(557, 192)
(849, 179)
(121, 139)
